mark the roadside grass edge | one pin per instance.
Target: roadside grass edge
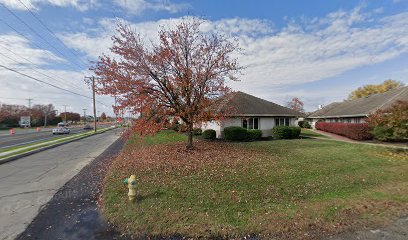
(44, 146)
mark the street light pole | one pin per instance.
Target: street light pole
(65, 113)
(84, 109)
(93, 99)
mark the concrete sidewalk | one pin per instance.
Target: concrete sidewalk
(30, 182)
(336, 137)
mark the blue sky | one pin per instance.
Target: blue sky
(315, 50)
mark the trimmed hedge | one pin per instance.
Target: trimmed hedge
(304, 124)
(209, 134)
(295, 132)
(254, 134)
(356, 131)
(285, 132)
(281, 132)
(197, 131)
(234, 133)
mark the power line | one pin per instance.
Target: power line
(50, 84)
(38, 71)
(39, 35)
(41, 81)
(32, 42)
(63, 81)
(49, 30)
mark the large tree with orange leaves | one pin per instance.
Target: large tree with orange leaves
(182, 75)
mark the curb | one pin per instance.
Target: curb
(12, 158)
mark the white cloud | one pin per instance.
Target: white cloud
(37, 63)
(81, 5)
(137, 7)
(303, 51)
(298, 53)
(19, 52)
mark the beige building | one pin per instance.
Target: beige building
(251, 112)
(356, 111)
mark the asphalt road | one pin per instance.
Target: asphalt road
(28, 183)
(29, 137)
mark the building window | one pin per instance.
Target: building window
(282, 121)
(245, 123)
(250, 123)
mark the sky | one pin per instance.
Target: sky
(318, 50)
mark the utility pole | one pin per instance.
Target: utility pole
(29, 108)
(116, 113)
(29, 102)
(65, 112)
(93, 99)
(84, 109)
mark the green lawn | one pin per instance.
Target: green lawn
(302, 188)
(310, 133)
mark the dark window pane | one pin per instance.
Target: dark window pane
(244, 123)
(251, 123)
(276, 121)
(286, 121)
(256, 123)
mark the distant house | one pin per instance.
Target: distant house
(356, 111)
(251, 112)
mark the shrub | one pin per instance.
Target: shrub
(209, 134)
(254, 134)
(356, 131)
(295, 132)
(304, 124)
(234, 133)
(383, 133)
(390, 124)
(197, 131)
(175, 127)
(281, 132)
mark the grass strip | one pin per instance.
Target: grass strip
(34, 146)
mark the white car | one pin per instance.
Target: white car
(60, 130)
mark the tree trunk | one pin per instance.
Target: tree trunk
(45, 120)
(190, 136)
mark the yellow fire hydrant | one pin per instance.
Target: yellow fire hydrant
(131, 182)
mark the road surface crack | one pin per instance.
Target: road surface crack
(41, 176)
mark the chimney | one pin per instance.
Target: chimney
(319, 106)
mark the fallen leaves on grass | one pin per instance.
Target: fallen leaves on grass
(174, 160)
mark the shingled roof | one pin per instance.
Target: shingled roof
(243, 104)
(363, 106)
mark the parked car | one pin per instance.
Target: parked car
(60, 130)
(88, 127)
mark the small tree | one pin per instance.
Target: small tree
(296, 104)
(370, 89)
(181, 76)
(390, 124)
(103, 116)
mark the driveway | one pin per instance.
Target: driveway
(29, 183)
